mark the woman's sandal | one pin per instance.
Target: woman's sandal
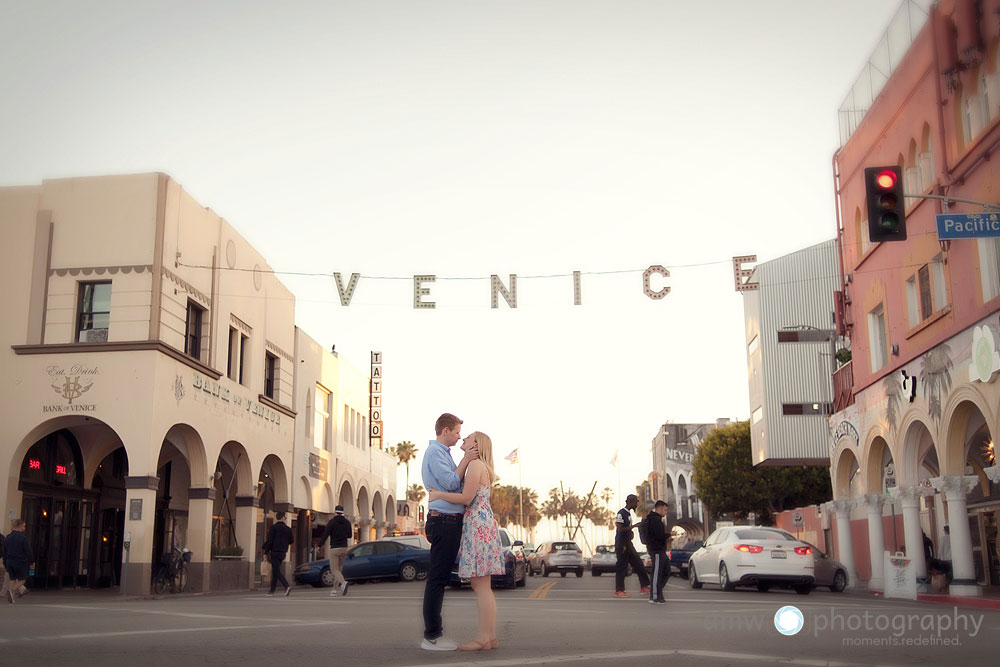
(494, 643)
(474, 646)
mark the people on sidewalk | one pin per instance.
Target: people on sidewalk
(279, 538)
(340, 531)
(18, 559)
(656, 545)
(625, 551)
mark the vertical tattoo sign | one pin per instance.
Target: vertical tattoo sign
(375, 402)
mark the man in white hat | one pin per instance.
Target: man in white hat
(340, 531)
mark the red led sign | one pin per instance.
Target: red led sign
(34, 465)
(60, 470)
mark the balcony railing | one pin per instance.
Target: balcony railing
(843, 384)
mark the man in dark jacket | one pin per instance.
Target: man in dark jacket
(17, 558)
(340, 531)
(279, 538)
(656, 544)
(624, 550)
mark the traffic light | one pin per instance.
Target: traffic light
(886, 208)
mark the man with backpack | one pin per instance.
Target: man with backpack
(625, 551)
(653, 533)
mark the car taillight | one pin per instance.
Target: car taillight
(552, 550)
(579, 551)
(668, 555)
(749, 548)
(803, 551)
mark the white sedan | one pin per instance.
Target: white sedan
(753, 556)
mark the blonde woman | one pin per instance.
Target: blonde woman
(480, 555)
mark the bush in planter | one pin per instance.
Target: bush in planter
(230, 552)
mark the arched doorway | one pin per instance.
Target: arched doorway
(72, 505)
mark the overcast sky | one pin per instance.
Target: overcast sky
(463, 139)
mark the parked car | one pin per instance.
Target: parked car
(829, 572)
(515, 565)
(604, 560)
(415, 540)
(370, 560)
(560, 556)
(753, 556)
(679, 556)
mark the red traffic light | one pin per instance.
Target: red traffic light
(886, 179)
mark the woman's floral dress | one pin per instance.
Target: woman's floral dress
(481, 553)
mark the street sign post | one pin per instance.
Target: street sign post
(968, 225)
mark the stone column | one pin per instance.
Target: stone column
(379, 529)
(909, 498)
(940, 517)
(140, 526)
(199, 538)
(955, 488)
(246, 537)
(845, 546)
(876, 539)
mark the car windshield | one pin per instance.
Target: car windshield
(504, 539)
(565, 546)
(763, 534)
(602, 549)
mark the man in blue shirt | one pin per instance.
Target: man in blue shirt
(444, 524)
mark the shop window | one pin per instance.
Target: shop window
(93, 312)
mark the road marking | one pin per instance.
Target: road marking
(714, 655)
(579, 611)
(126, 633)
(542, 590)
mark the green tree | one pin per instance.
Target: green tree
(728, 483)
(404, 452)
(415, 492)
(505, 501)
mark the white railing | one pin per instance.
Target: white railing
(903, 29)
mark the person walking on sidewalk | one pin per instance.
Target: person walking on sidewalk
(279, 538)
(656, 543)
(340, 531)
(17, 558)
(625, 551)
(444, 524)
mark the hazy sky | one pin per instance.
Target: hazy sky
(468, 138)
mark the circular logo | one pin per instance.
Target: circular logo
(789, 620)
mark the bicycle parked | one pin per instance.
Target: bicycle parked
(172, 572)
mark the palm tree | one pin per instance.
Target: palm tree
(415, 492)
(404, 452)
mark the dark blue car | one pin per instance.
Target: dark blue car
(370, 560)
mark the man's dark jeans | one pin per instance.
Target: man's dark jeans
(627, 555)
(445, 535)
(277, 558)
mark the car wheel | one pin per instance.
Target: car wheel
(803, 589)
(839, 582)
(579, 573)
(683, 572)
(693, 578)
(763, 588)
(724, 578)
(545, 570)
(520, 583)
(595, 573)
(408, 571)
(562, 574)
(326, 577)
(421, 575)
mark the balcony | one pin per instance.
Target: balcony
(843, 384)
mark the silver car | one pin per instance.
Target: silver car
(829, 572)
(558, 556)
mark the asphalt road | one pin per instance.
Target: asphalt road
(569, 621)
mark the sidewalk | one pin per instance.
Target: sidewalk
(990, 599)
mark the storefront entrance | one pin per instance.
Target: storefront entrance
(75, 532)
